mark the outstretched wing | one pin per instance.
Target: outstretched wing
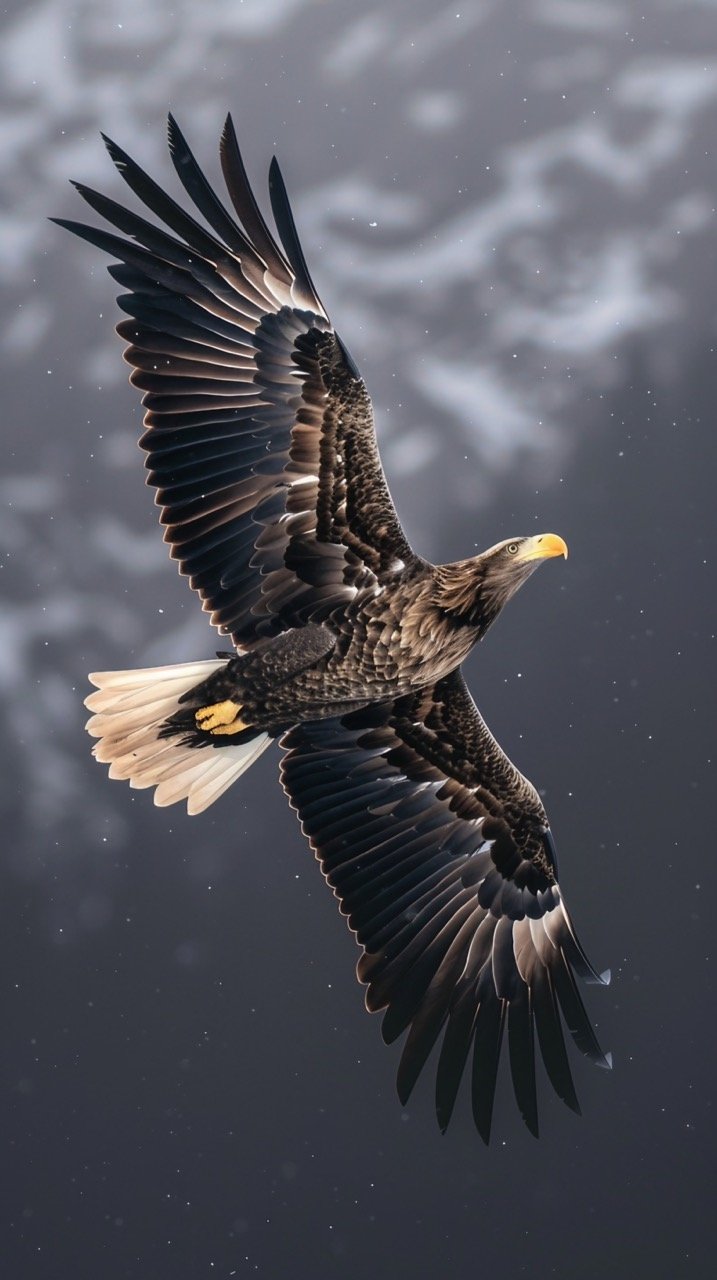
(441, 857)
(260, 435)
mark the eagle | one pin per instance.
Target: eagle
(346, 645)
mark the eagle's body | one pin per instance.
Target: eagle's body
(378, 647)
(261, 444)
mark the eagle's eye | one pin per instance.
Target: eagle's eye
(511, 548)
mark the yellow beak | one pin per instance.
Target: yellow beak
(542, 546)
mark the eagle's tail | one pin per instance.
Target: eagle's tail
(131, 710)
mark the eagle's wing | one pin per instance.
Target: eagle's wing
(440, 854)
(260, 435)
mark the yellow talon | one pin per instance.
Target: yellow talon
(235, 727)
(221, 717)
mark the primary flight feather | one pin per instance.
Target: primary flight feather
(348, 646)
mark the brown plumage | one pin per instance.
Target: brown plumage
(260, 443)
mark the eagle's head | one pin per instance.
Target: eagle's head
(476, 590)
(507, 565)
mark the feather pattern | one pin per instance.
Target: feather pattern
(439, 854)
(259, 431)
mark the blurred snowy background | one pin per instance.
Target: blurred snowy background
(509, 211)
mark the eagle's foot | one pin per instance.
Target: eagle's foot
(220, 718)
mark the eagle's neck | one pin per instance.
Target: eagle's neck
(463, 593)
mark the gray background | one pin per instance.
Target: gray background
(509, 210)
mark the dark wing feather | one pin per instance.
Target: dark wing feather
(260, 435)
(247, 209)
(288, 235)
(440, 855)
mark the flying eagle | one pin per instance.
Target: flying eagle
(347, 645)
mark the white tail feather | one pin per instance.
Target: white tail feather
(129, 709)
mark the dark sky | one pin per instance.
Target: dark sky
(520, 195)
